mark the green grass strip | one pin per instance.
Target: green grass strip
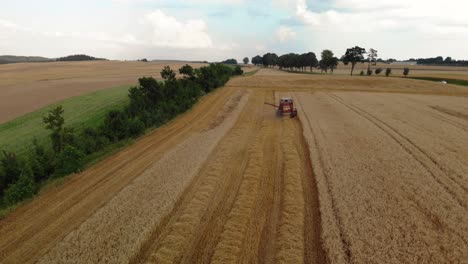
(81, 111)
(436, 79)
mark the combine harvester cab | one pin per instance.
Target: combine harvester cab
(286, 106)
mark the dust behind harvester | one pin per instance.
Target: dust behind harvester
(286, 106)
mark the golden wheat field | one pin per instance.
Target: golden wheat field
(448, 72)
(373, 170)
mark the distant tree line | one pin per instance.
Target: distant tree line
(78, 57)
(152, 103)
(440, 61)
(230, 62)
(327, 63)
(298, 62)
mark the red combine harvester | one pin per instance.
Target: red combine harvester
(286, 105)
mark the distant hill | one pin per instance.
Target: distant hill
(4, 59)
(78, 57)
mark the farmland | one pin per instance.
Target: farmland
(90, 109)
(373, 170)
(457, 73)
(26, 87)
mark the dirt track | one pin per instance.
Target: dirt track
(358, 178)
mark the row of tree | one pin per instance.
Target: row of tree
(328, 61)
(152, 103)
(448, 61)
(298, 62)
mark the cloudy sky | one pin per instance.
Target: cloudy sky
(217, 29)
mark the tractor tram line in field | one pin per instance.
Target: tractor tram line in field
(431, 166)
(252, 209)
(332, 228)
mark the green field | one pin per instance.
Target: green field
(86, 110)
(436, 79)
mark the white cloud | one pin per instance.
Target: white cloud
(172, 1)
(260, 47)
(397, 28)
(5, 24)
(285, 33)
(228, 47)
(371, 15)
(167, 31)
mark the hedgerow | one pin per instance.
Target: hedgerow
(152, 103)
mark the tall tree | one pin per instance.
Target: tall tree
(257, 60)
(54, 121)
(246, 60)
(372, 58)
(311, 60)
(328, 61)
(353, 56)
(168, 74)
(188, 72)
(270, 59)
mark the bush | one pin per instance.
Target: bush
(406, 71)
(369, 72)
(10, 170)
(115, 125)
(238, 71)
(42, 162)
(378, 71)
(69, 161)
(24, 188)
(69, 137)
(92, 140)
(361, 73)
(388, 72)
(187, 71)
(136, 127)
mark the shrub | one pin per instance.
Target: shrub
(115, 125)
(369, 72)
(238, 71)
(11, 170)
(92, 140)
(187, 71)
(69, 137)
(406, 71)
(388, 72)
(23, 188)
(42, 162)
(136, 127)
(361, 73)
(69, 161)
(378, 71)
(168, 74)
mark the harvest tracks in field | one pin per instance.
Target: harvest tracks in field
(359, 177)
(380, 172)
